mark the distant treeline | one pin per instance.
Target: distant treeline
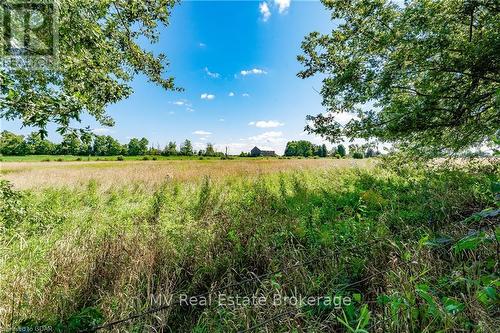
(305, 148)
(105, 145)
(90, 144)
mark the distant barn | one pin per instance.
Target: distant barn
(256, 152)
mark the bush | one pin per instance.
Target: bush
(145, 158)
(154, 158)
(59, 160)
(120, 158)
(357, 155)
(78, 159)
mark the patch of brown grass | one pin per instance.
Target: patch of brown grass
(25, 175)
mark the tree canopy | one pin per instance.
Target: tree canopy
(423, 73)
(305, 148)
(99, 54)
(186, 148)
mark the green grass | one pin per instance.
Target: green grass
(72, 158)
(74, 258)
(69, 158)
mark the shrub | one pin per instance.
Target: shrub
(154, 158)
(357, 155)
(120, 158)
(145, 158)
(59, 159)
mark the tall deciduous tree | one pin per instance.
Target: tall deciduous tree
(170, 149)
(113, 146)
(99, 54)
(302, 148)
(341, 150)
(186, 148)
(12, 144)
(424, 73)
(324, 151)
(137, 147)
(38, 146)
(70, 145)
(100, 145)
(210, 151)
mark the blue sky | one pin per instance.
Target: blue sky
(237, 64)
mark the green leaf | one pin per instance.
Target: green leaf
(435, 242)
(452, 306)
(423, 292)
(383, 299)
(469, 243)
(491, 293)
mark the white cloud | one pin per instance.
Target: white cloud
(182, 102)
(245, 95)
(266, 124)
(231, 94)
(264, 11)
(222, 120)
(189, 110)
(283, 5)
(201, 132)
(202, 45)
(207, 96)
(212, 74)
(254, 71)
(171, 112)
(268, 137)
(203, 139)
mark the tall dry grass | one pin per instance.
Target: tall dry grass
(26, 175)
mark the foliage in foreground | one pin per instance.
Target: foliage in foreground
(425, 73)
(98, 56)
(406, 245)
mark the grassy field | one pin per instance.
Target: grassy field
(72, 158)
(111, 173)
(87, 243)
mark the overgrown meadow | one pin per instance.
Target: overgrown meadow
(415, 249)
